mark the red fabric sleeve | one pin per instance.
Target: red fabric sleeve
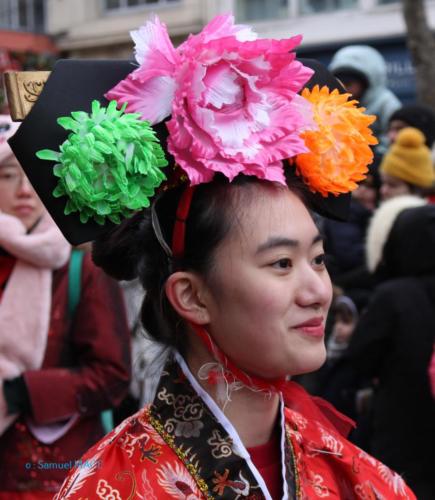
(98, 376)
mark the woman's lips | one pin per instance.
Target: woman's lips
(313, 327)
(23, 209)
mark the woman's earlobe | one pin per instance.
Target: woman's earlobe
(183, 290)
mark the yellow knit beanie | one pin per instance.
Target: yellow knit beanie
(409, 159)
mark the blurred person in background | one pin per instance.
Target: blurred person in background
(393, 341)
(345, 316)
(418, 116)
(57, 373)
(407, 167)
(363, 72)
(422, 118)
(345, 241)
(334, 384)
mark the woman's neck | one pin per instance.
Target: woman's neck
(253, 414)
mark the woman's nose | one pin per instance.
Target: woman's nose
(315, 288)
(24, 188)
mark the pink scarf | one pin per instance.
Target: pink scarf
(26, 302)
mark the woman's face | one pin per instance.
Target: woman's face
(356, 88)
(342, 331)
(392, 186)
(269, 291)
(17, 197)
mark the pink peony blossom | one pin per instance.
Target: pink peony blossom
(232, 98)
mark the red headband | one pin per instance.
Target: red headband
(179, 234)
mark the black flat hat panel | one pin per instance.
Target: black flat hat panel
(72, 86)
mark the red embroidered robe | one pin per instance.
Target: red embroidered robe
(183, 447)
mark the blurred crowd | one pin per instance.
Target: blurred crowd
(74, 360)
(380, 343)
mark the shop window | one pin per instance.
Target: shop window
(125, 4)
(25, 15)
(315, 6)
(259, 10)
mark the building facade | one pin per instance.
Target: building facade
(23, 43)
(100, 28)
(328, 25)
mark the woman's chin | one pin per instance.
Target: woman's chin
(277, 369)
(310, 362)
(28, 219)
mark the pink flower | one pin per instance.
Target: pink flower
(233, 98)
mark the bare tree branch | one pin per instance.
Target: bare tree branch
(421, 44)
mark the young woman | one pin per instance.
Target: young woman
(229, 255)
(57, 373)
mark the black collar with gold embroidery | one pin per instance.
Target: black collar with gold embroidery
(194, 433)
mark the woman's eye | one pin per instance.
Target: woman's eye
(282, 264)
(7, 176)
(319, 261)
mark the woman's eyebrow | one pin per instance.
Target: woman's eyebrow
(281, 241)
(277, 241)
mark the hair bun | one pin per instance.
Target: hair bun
(410, 137)
(117, 250)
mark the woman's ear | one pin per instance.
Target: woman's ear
(184, 292)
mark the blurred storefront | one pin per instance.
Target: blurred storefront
(400, 72)
(24, 45)
(328, 25)
(100, 28)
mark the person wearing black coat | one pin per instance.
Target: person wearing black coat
(345, 241)
(393, 341)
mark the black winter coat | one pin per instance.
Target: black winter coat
(393, 343)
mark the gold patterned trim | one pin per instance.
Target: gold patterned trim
(169, 440)
(294, 463)
(23, 89)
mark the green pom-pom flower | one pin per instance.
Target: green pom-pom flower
(109, 166)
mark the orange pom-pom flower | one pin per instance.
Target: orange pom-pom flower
(339, 149)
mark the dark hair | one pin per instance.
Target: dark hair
(419, 116)
(349, 75)
(416, 190)
(133, 250)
